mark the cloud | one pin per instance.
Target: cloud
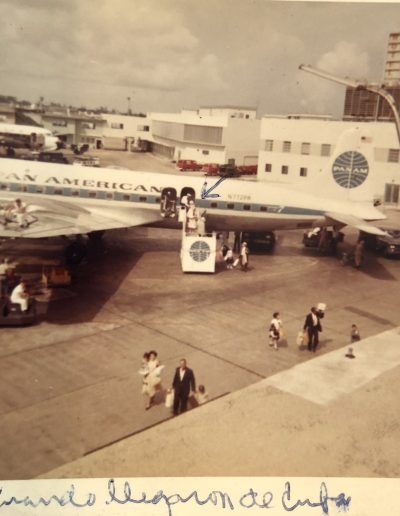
(143, 44)
(323, 96)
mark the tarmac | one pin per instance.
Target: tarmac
(71, 403)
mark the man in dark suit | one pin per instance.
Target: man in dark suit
(313, 326)
(182, 384)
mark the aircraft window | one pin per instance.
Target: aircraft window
(3, 186)
(247, 207)
(158, 199)
(268, 167)
(109, 195)
(143, 199)
(57, 191)
(39, 189)
(231, 206)
(24, 188)
(92, 195)
(15, 188)
(126, 197)
(75, 193)
(214, 205)
(263, 208)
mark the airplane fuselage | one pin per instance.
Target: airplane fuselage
(238, 204)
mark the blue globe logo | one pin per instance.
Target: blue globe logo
(200, 251)
(350, 169)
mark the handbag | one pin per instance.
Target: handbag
(169, 398)
(300, 338)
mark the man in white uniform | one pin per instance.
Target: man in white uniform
(20, 296)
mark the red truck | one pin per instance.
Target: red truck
(211, 169)
(188, 164)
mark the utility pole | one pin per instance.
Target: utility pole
(359, 85)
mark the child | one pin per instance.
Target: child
(354, 334)
(201, 395)
(229, 258)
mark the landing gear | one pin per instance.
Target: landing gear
(96, 236)
(75, 253)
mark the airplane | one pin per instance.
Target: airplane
(65, 200)
(32, 137)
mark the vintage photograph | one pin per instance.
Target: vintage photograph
(199, 239)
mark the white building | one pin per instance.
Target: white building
(125, 132)
(297, 150)
(209, 135)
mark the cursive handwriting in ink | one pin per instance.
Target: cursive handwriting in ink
(215, 497)
(249, 500)
(66, 499)
(341, 501)
(205, 193)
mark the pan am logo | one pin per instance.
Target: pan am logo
(350, 169)
(200, 251)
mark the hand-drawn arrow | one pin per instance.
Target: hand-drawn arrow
(205, 194)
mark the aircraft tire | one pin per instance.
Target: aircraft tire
(75, 253)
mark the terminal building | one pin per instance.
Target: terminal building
(208, 135)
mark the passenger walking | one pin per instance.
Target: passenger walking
(275, 329)
(354, 333)
(244, 256)
(313, 326)
(229, 258)
(151, 371)
(183, 383)
(359, 254)
(192, 218)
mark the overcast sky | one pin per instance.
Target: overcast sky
(172, 54)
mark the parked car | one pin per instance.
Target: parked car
(388, 245)
(211, 169)
(188, 164)
(87, 161)
(265, 241)
(312, 238)
(247, 170)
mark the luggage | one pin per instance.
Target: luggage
(169, 398)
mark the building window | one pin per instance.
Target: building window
(325, 149)
(247, 116)
(303, 172)
(144, 128)
(60, 123)
(269, 145)
(268, 167)
(393, 155)
(115, 125)
(305, 148)
(286, 146)
(285, 169)
(205, 152)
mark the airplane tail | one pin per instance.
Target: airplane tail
(349, 173)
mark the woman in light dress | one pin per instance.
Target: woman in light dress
(151, 372)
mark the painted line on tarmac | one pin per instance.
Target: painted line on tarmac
(324, 379)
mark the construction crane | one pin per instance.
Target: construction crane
(359, 85)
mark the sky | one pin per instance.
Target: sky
(168, 55)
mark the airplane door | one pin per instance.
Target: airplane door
(168, 203)
(187, 193)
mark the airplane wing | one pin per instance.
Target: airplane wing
(50, 218)
(351, 220)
